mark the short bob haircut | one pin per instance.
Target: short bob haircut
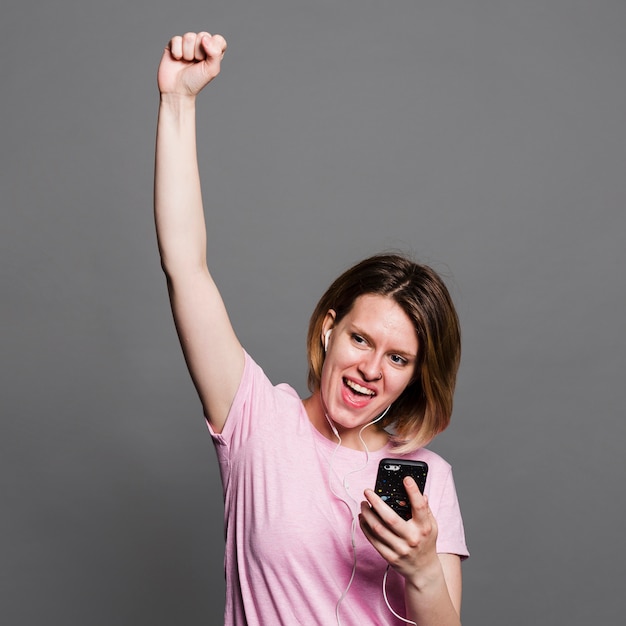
(424, 408)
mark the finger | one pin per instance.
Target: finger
(199, 51)
(189, 46)
(383, 539)
(374, 527)
(384, 512)
(422, 516)
(419, 502)
(214, 46)
(176, 47)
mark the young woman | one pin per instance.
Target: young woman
(307, 540)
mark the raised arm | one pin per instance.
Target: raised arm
(212, 351)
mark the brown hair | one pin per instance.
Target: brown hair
(424, 408)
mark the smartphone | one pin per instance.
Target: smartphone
(389, 487)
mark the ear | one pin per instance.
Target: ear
(327, 325)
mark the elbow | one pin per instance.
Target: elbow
(175, 266)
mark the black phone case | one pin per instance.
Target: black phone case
(389, 487)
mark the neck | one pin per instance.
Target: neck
(374, 436)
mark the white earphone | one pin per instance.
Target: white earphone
(326, 336)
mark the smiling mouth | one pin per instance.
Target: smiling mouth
(358, 389)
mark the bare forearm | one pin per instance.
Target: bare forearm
(178, 209)
(428, 599)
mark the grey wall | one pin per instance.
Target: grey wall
(486, 136)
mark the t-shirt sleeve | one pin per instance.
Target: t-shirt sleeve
(451, 537)
(254, 411)
(253, 397)
(237, 413)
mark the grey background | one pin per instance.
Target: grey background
(487, 137)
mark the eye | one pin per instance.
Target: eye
(358, 339)
(396, 359)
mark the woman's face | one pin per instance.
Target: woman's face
(371, 357)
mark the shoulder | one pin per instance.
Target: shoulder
(254, 377)
(444, 502)
(258, 406)
(435, 462)
(440, 486)
(258, 395)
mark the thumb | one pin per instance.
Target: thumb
(419, 502)
(214, 47)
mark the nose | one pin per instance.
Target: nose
(370, 368)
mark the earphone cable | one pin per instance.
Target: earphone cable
(406, 621)
(331, 470)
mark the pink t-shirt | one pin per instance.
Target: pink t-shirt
(290, 499)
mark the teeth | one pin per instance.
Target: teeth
(359, 389)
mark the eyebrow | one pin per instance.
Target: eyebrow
(403, 353)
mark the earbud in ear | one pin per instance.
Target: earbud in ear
(326, 336)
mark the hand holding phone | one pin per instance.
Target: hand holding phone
(390, 486)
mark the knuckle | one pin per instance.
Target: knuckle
(396, 522)
(404, 552)
(419, 536)
(414, 540)
(377, 527)
(422, 508)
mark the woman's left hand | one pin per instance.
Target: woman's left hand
(408, 546)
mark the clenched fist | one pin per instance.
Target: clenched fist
(190, 62)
